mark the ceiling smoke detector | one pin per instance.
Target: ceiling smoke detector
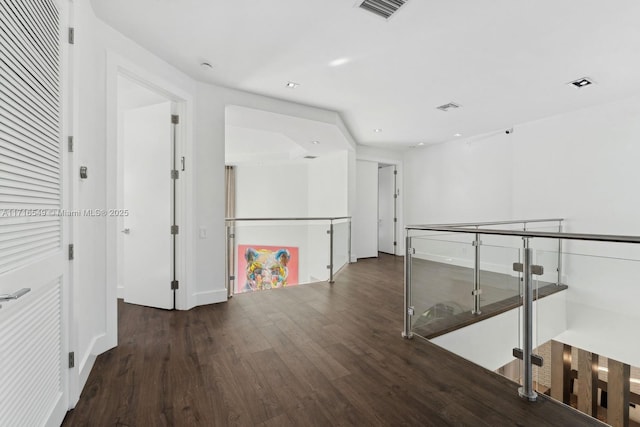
(292, 85)
(383, 8)
(449, 106)
(582, 82)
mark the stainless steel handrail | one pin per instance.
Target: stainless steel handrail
(474, 224)
(333, 218)
(543, 234)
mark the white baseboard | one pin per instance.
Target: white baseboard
(120, 292)
(210, 297)
(88, 360)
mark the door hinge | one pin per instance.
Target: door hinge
(72, 36)
(395, 219)
(175, 119)
(395, 196)
(71, 252)
(395, 243)
(175, 229)
(175, 174)
(70, 144)
(395, 172)
(232, 277)
(72, 359)
(175, 285)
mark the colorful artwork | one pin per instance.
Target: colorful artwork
(266, 267)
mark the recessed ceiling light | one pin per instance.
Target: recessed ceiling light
(457, 134)
(378, 130)
(338, 62)
(206, 65)
(582, 82)
(315, 142)
(420, 144)
(449, 106)
(292, 85)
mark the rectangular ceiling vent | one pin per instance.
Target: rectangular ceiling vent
(449, 106)
(384, 8)
(310, 157)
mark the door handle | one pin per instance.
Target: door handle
(126, 231)
(15, 295)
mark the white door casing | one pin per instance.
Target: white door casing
(34, 328)
(148, 251)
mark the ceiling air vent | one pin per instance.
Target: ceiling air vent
(449, 106)
(583, 82)
(310, 157)
(384, 8)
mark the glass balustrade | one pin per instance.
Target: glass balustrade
(555, 312)
(273, 253)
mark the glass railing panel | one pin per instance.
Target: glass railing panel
(275, 254)
(442, 281)
(600, 316)
(499, 283)
(340, 244)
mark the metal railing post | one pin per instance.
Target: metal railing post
(230, 259)
(559, 254)
(331, 252)
(408, 310)
(526, 391)
(476, 276)
(349, 243)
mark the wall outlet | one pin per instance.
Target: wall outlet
(203, 232)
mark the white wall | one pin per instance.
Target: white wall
(365, 218)
(271, 190)
(328, 185)
(581, 166)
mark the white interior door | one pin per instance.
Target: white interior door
(147, 240)
(386, 209)
(34, 291)
(365, 218)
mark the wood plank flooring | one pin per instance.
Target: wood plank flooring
(311, 355)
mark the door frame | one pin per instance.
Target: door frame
(398, 164)
(117, 65)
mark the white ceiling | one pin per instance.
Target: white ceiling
(504, 61)
(253, 135)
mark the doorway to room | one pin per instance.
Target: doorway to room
(387, 209)
(146, 211)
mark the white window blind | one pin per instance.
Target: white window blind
(30, 225)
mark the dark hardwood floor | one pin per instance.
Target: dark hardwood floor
(315, 354)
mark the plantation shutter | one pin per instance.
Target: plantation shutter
(30, 164)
